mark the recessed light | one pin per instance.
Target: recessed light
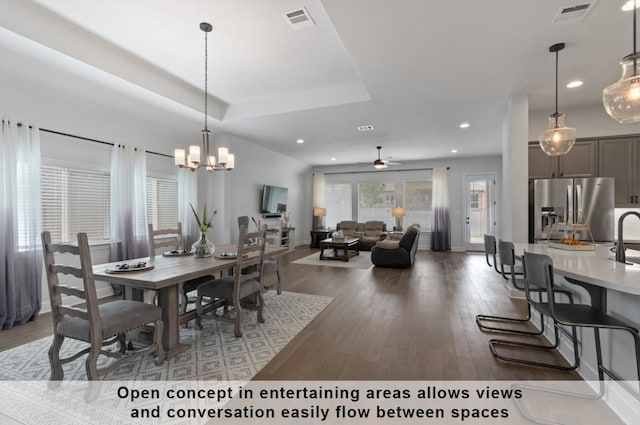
(454, 150)
(629, 6)
(333, 159)
(465, 125)
(300, 141)
(574, 84)
(367, 127)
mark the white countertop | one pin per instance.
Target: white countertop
(593, 267)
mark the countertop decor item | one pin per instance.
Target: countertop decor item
(203, 246)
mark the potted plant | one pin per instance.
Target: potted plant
(203, 247)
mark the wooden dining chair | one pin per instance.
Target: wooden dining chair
(172, 238)
(100, 325)
(270, 266)
(243, 289)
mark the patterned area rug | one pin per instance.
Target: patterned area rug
(213, 353)
(361, 261)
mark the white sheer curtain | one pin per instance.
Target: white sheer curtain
(318, 198)
(440, 220)
(128, 217)
(20, 243)
(187, 194)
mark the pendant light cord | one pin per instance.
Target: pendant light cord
(206, 80)
(556, 114)
(635, 60)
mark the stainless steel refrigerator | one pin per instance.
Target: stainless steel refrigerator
(574, 201)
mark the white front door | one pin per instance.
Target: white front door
(479, 215)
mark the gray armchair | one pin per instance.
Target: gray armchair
(397, 253)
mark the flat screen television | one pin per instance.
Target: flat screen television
(274, 200)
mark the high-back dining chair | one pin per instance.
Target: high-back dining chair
(243, 289)
(172, 238)
(270, 266)
(100, 325)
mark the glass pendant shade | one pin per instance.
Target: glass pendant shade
(622, 99)
(557, 139)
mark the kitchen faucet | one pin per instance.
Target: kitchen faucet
(620, 255)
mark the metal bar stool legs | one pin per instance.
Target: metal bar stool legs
(507, 258)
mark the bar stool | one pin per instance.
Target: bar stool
(491, 250)
(506, 252)
(539, 268)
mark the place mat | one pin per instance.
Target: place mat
(229, 256)
(128, 268)
(176, 253)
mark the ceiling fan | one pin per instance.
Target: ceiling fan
(382, 163)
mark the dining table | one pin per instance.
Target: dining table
(165, 276)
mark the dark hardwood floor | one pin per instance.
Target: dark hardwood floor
(386, 324)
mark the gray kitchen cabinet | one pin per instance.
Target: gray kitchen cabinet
(579, 162)
(619, 158)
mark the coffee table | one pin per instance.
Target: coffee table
(341, 249)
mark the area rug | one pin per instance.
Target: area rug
(213, 353)
(361, 261)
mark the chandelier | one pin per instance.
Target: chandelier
(622, 99)
(558, 138)
(200, 157)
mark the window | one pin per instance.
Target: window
(417, 204)
(75, 201)
(337, 198)
(162, 203)
(375, 202)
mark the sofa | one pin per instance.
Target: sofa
(397, 252)
(369, 233)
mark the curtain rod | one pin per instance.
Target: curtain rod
(88, 139)
(46, 130)
(381, 171)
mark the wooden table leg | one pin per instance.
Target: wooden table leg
(168, 301)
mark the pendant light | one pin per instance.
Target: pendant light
(557, 139)
(202, 158)
(622, 99)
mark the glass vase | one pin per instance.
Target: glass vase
(203, 246)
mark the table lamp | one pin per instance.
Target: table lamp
(398, 212)
(318, 216)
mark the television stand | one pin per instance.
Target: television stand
(271, 215)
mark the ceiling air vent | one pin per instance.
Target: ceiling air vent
(572, 14)
(365, 127)
(299, 19)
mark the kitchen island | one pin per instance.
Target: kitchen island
(593, 267)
